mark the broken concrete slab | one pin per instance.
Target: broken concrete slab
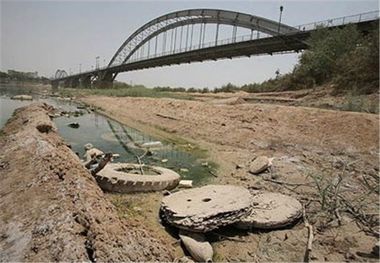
(206, 208)
(271, 211)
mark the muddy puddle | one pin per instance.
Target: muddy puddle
(111, 136)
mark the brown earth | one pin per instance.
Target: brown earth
(51, 207)
(327, 159)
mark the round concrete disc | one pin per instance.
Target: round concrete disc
(270, 211)
(260, 164)
(206, 208)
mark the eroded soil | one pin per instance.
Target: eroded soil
(52, 208)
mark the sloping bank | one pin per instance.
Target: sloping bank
(51, 207)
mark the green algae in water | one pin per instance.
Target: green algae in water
(181, 156)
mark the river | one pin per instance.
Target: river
(111, 136)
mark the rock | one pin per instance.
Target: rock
(183, 260)
(22, 97)
(185, 184)
(240, 166)
(88, 146)
(94, 152)
(197, 246)
(206, 208)
(376, 249)
(259, 164)
(74, 125)
(271, 211)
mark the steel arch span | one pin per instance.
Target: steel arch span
(191, 17)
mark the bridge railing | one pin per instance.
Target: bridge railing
(340, 21)
(373, 15)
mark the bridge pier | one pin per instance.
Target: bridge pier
(85, 82)
(105, 81)
(74, 83)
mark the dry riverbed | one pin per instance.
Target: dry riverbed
(326, 159)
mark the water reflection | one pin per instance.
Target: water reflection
(110, 136)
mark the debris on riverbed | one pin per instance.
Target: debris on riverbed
(206, 208)
(155, 144)
(22, 97)
(260, 164)
(197, 245)
(119, 177)
(185, 184)
(271, 211)
(74, 125)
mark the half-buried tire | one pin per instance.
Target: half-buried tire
(115, 178)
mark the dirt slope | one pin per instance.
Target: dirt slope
(51, 207)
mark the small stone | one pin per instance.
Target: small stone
(74, 125)
(198, 247)
(259, 164)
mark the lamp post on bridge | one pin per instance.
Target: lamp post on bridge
(279, 20)
(97, 62)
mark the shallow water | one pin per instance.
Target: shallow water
(110, 136)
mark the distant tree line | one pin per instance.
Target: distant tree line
(13, 75)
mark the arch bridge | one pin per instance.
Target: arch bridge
(203, 34)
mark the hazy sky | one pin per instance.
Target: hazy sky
(46, 35)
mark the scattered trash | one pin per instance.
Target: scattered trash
(204, 164)
(206, 208)
(197, 246)
(184, 170)
(74, 125)
(164, 160)
(185, 184)
(259, 164)
(22, 97)
(155, 144)
(115, 155)
(271, 211)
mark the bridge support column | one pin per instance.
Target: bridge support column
(74, 83)
(105, 81)
(54, 85)
(85, 82)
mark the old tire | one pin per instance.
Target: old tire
(113, 180)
